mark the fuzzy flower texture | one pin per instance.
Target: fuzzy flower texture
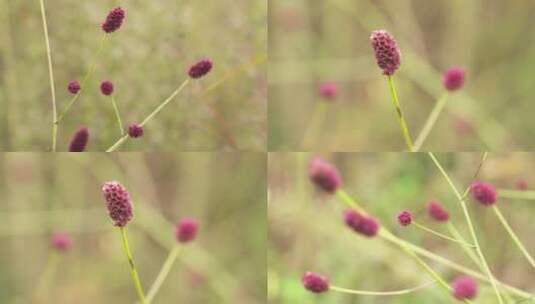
(405, 218)
(118, 203)
(74, 86)
(453, 78)
(114, 20)
(324, 175)
(484, 193)
(360, 223)
(186, 230)
(386, 51)
(135, 130)
(61, 241)
(464, 287)
(437, 212)
(79, 140)
(315, 283)
(201, 68)
(106, 87)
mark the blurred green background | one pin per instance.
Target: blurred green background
(313, 41)
(306, 231)
(43, 193)
(147, 60)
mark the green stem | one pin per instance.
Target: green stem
(517, 194)
(513, 236)
(431, 120)
(84, 80)
(117, 115)
(440, 234)
(162, 275)
(470, 227)
(133, 270)
(468, 250)
(121, 140)
(380, 293)
(50, 76)
(401, 118)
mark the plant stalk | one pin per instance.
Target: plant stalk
(133, 270)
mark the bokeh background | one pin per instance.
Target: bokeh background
(147, 59)
(315, 41)
(306, 231)
(43, 193)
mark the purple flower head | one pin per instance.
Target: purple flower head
(386, 50)
(186, 229)
(106, 87)
(74, 86)
(484, 193)
(522, 184)
(314, 282)
(405, 218)
(437, 211)
(365, 225)
(464, 287)
(79, 140)
(453, 78)
(118, 203)
(201, 68)
(61, 241)
(324, 175)
(114, 20)
(135, 130)
(328, 90)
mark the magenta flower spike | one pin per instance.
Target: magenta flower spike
(118, 203)
(453, 78)
(79, 140)
(387, 53)
(114, 20)
(363, 224)
(484, 193)
(186, 230)
(328, 90)
(437, 211)
(135, 130)
(405, 218)
(464, 287)
(61, 241)
(315, 283)
(106, 87)
(74, 86)
(324, 175)
(200, 68)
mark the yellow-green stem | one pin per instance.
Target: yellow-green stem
(84, 80)
(431, 120)
(133, 270)
(50, 76)
(440, 234)
(162, 275)
(380, 293)
(117, 115)
(513, 235)
(517, 194)
(468, 250)
(470, 227)
(401, 118)
(121, 140)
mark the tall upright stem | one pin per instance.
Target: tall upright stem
(133, 270)
(401, 118)
(431, 120)
(51, 77)
(162, 275)
(470, 227)
(117, 115)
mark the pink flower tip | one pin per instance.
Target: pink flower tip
(186, 229)
(405, 218)
(114, 20)
(328, 90)
(200, 68)
(387, 53)
(484, 193)
(324, 175)
(79, 140)
(118, 203)
(61, 241)
(106, 87)
(135, 130)
(315, 283)
(453, 78)
(464, 287)
(437, 211)
(73, 86)
(360, 223)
